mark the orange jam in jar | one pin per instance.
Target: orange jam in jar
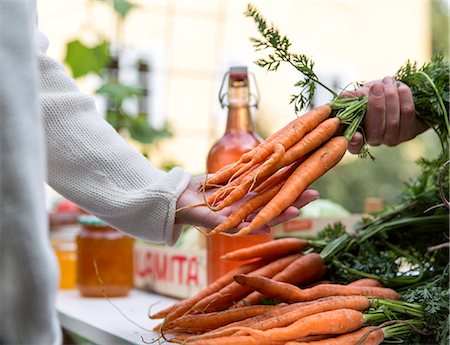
(105, 260)
(67, 259)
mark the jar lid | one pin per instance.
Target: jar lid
(91, 220)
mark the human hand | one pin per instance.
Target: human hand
(390, 118)
(203, 217)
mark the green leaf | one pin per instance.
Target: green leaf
(115, 119)
(121, 7)
(118, 92)
(83, 60)
(143, 132)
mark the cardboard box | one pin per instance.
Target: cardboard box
(170, 271)
(311, 226)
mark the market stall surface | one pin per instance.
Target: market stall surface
(105, 321)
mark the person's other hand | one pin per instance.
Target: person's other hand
(203, 217)
(390, 118)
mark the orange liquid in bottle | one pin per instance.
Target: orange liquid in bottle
(239, 138)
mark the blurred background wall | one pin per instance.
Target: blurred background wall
(188, 45)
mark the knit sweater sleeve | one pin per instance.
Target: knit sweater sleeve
(90, 164)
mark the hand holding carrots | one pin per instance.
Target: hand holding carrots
(390, 118)
(266, 181)
(204, 217)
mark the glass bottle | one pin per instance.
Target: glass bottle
(239, 137)
(105, 260)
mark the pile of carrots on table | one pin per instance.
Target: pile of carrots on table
(303, 309)
(278, 170)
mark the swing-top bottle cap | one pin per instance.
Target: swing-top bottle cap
(238, 72)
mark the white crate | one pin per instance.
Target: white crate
(169, 271)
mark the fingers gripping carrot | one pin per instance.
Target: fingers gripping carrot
(290, 293)
(322, 160)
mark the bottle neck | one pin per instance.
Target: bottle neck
(239, 115)
(239, 118)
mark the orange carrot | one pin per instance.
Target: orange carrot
(231, 328)
(322, 160)
(223, 191)
(312, 140)
(259, 185)
(240, 191)
(254, 203)
(182, 306)
(317, 283)
(288, 135)
(369, 335)
(338, 321)
(312, 338)
(254, 179)
(299, 271)
(234, 291)
(359, 303)
(322, 133)
(275, 156)
(345, 320)
(366, 282)
(223, 175)
(301, 149)
(291, 293)
(272, 248)
(309, 142)
(217, 319)
(316, 279)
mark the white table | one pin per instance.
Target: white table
(100, 321)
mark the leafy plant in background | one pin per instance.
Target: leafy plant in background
(83, 59)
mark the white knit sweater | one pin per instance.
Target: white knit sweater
(90, 164)
(87, 162)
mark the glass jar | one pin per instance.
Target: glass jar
(105, 260)
(66, 253)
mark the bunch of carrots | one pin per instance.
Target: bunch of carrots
(278, 170)
(303, 309)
